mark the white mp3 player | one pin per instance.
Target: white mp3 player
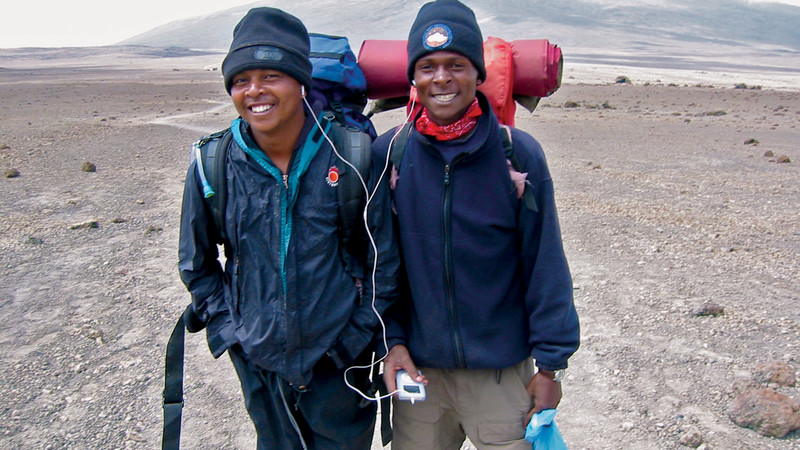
(408, 389)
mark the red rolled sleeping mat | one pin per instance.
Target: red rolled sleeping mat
(384, 64)
(535, 66)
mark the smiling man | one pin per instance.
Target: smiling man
(285, 307)
(490, 292)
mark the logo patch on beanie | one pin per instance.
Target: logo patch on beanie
(268, 54)
(437, 37)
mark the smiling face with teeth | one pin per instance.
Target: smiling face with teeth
(271, 103)
(446, 83)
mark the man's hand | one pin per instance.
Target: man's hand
(545, 392)
(399, 358)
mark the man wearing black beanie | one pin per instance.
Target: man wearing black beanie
(490, 320)
(285, 307)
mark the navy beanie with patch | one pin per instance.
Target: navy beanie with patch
(447, 25)
(268, 38)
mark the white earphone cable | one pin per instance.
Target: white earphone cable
(369, 197)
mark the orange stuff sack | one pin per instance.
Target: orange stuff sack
(499, 84)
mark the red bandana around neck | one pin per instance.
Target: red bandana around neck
(453, 130)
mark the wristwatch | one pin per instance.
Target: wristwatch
(558, 375)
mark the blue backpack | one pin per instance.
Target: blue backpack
(339, 82)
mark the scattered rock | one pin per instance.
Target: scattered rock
(622, 79)
(32, 240)
(153, 229)
(709, 309)
(134, 436)
(89, 332)
(692, 438)
(715, 113)
(118, 220)
(89, 224)
(751, 141)
(769, 154)
(766, 411)
(88, 167)
(4, 147)
(571, 104)
(607, 105)
(775, 372)
(12, 173)
(783, 159)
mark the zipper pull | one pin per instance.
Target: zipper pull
(285, 177)
(446, 174)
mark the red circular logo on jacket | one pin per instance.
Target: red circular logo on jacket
(333, 176)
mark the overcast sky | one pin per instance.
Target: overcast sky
(59, 23)
(78, 23)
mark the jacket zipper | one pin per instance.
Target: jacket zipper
(449, 284)
(284, 205)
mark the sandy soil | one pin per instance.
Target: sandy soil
(664, 209)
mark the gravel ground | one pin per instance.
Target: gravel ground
(669, 202)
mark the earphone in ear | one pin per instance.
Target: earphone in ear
(302, 90)
(413, 82)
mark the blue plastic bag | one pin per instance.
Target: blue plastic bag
(543, 432)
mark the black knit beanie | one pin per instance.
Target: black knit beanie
(268, 38)
(446, 25)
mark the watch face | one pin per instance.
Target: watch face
(559, 375)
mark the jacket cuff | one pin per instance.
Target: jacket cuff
(549, 366)
(220, 334)
(191, 320)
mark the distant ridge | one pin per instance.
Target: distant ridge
(666, 33)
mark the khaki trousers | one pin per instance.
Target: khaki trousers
(487, 405)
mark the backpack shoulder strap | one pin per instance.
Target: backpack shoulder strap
(211, 159)
(210, 154)
(173, 389)
(355, 147)
(398, 148)
(508, 147)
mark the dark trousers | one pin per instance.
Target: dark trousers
(329, 414)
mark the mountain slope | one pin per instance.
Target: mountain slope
(671, 33)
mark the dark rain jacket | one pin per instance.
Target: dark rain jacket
(488, 277)
(284, 294)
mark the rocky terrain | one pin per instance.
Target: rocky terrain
(680, 212)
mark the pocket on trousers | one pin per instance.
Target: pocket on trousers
(426, 411)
